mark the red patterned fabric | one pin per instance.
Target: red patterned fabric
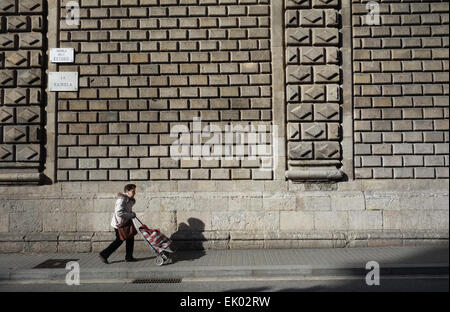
(155, 237)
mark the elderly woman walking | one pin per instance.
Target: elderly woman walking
(122, 215)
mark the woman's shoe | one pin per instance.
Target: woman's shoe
(103, 259)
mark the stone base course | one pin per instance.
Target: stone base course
(77, 216)
(95, 242)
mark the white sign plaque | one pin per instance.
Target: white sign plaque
(62, 55)
(63, 81)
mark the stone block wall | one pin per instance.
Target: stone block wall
(76, 216)
(401, 90)
(148, 66)
(361, 113)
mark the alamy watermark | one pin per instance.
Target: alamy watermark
(229, 142)
(373, 17)
(373, 276)
(73, 276)
(73, 13)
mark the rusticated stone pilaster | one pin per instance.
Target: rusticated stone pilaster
(22, 33)
(313, 89)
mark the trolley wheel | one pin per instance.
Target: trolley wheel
(168, 258)
(159, 260)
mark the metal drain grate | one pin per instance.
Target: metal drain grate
(54, 264)
(157, 281)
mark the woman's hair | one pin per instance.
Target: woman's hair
(129, 187)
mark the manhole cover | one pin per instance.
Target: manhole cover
(157, 281)
(54, 264)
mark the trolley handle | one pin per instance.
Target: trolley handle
(139, 220)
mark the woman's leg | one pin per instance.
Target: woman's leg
(129, 248)
(112, 247)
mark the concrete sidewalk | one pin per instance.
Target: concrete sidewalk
(233, 263)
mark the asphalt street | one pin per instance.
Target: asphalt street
(390, 284)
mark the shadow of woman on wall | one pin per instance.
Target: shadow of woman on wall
(187, 241)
